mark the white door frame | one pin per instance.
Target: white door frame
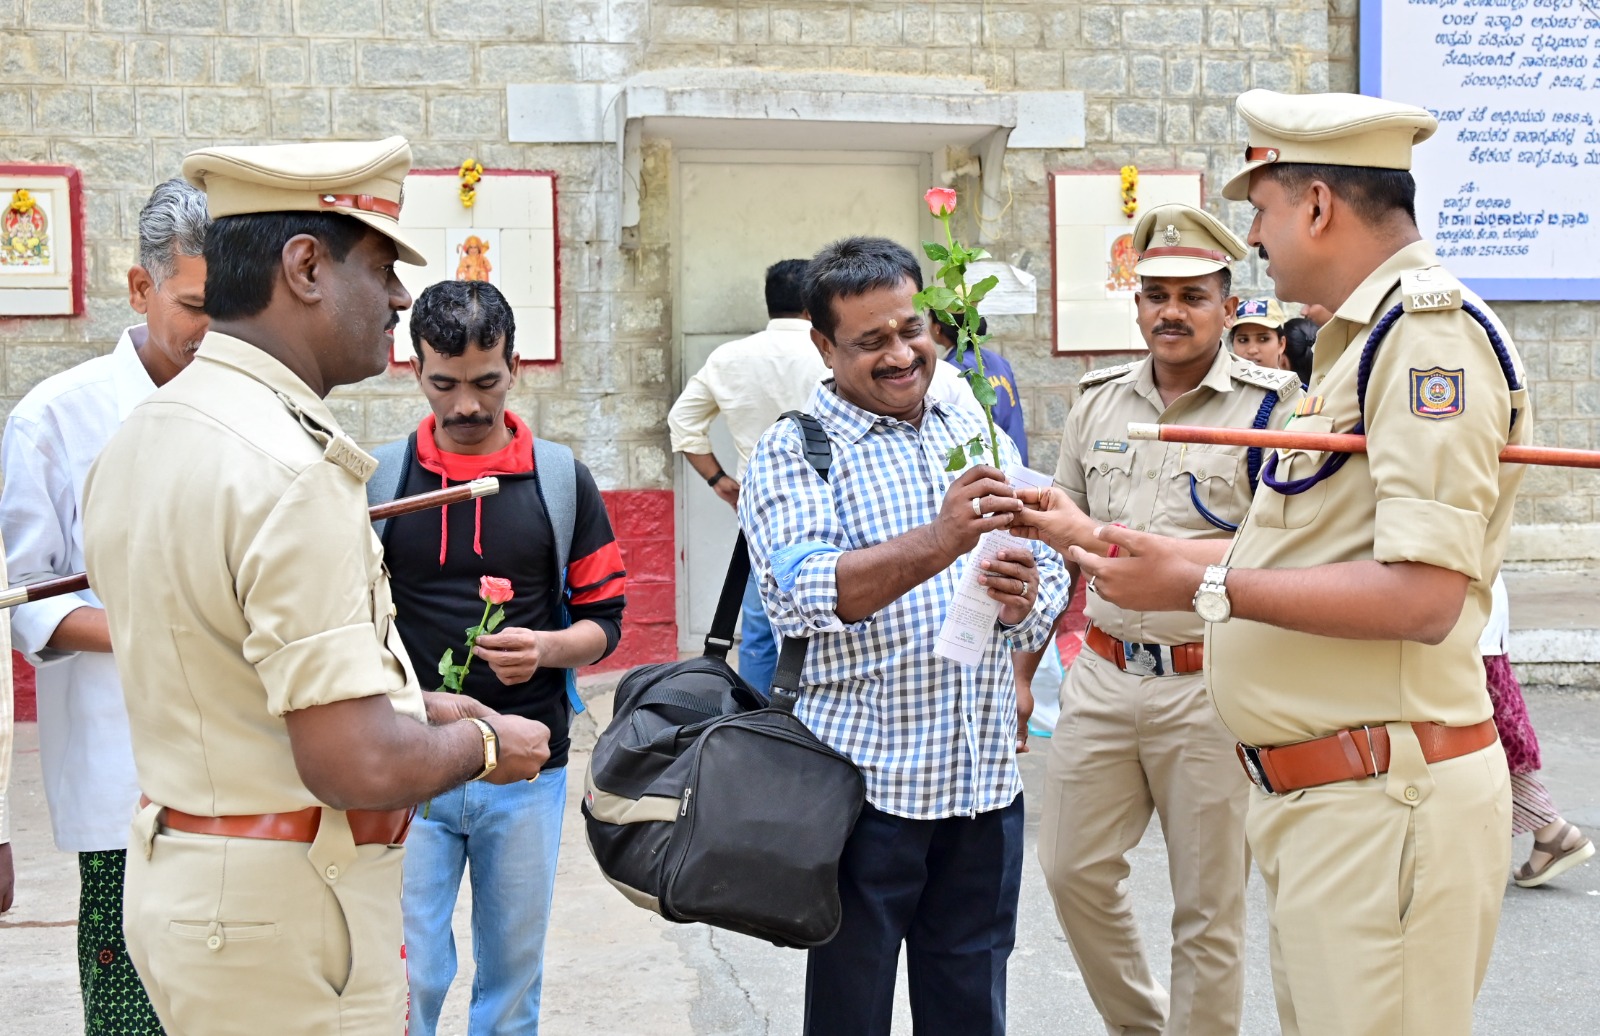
(690, 640)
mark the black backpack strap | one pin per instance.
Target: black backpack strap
(819, 451)
(792, 656)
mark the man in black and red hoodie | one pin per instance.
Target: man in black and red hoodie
(463, 333)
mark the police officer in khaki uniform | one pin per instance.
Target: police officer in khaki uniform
(278, 731)
(1137, 731)
(1343, 624)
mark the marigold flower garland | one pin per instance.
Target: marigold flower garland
(1130, 187)
(471, 173)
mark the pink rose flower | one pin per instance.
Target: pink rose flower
(494, 589)
(941, 200)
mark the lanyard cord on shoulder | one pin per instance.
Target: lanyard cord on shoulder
(1369, 354)
(1252, 464)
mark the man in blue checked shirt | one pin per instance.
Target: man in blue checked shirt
(866, 565)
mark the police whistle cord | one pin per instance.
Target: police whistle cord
(1339, 442)
(30, 592)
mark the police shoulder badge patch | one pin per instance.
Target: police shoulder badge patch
(1437, 393)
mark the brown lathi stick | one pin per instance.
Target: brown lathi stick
(1340, 442)
(395, 508)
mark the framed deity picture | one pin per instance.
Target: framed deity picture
(41, 241)
(1091, 236)
(507, 237)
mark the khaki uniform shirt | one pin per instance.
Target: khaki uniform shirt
(1429, 489)
(1145, 485)
(226, 531)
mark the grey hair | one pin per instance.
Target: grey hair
(172, 223)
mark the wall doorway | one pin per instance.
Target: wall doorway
(736, 214)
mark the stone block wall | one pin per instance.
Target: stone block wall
(123, 88)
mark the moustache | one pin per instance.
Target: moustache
(1179, 329)
(1261, 250)
(459, 422)
(394, 322)
(892, 372)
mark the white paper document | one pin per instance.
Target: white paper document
(969, 622)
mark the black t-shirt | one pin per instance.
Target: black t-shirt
(437, 601)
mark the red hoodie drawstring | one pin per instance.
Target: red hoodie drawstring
(444, 524)
(515, 458)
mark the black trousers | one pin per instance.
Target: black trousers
(948, 890)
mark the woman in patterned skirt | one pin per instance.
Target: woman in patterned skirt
(1557, 845)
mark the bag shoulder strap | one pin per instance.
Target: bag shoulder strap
(792, 656)
(393, 459)
(557, 472)
(555, 478)
(819, 454)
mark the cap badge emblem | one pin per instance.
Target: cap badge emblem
(1170, 235)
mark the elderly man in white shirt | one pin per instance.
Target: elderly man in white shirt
(51, 439)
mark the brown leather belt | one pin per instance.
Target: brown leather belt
(1351, 755)
(369, 826)
(1147, 659)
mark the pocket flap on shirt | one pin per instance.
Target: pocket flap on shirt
(1105, 463)
(1203, 465)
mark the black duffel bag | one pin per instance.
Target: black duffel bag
(707, 802)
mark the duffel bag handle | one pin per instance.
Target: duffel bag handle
(786, 679)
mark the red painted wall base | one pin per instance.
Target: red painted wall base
(27, 706)
(643, 522)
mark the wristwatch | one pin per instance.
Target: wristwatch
(1211, 599)
(491, 747)
(718, 477)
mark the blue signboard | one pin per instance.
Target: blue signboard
(1508, 188)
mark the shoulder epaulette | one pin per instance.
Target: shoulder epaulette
(1429, 289)
(1104, 374)
(338, 448)
(1270, 378)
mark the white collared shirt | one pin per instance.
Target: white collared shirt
(751, 382)
(51, 439)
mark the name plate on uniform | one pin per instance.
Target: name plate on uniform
(1110, 446)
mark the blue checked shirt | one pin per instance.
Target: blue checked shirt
(932, 738)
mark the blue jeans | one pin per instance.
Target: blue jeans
(758, 650)
(507, 836)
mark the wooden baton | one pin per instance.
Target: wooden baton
(1339, 442)
(393, 509)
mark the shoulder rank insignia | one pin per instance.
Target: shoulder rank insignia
(1104, 374)
(343, 451)
(1309, 406)
(1429, 289)
(1437, 393)
(1110, 446)
(1262, 377)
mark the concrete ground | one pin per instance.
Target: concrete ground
(615, 969)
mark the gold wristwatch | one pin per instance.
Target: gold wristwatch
(491, 747)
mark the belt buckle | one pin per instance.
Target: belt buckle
(1250, 757)
(1143, 659)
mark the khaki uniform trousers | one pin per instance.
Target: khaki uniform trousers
(1127, 744)
(246, 936)
(1384, 895)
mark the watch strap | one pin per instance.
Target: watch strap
(718, 477)
(491, 747)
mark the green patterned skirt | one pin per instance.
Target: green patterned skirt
(114, 1000)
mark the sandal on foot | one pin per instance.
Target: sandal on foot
(1561, 860)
